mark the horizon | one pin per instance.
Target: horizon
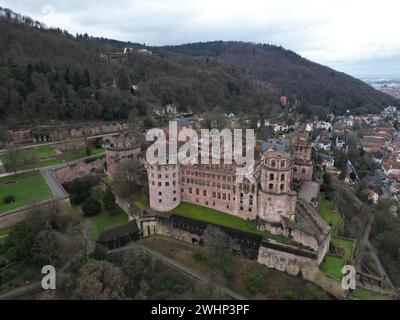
(328, 34)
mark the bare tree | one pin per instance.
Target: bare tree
(130, 177)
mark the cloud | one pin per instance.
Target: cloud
(334, 32)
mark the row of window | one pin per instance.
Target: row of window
(166, 176)
(164, 184)
(210, 175)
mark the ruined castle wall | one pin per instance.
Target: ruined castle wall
(113, 157)
(305, 239)
(303, 172)
(78, 170)
(273, 207)
(11, 218)
(287, 262)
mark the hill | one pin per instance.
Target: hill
(50, 74)
(300, 79)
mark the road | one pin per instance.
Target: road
(177, 265)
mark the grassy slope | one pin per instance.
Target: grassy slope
(104, 220)
(273, 284)
(332, 266)
(30, 188)
(328, 212)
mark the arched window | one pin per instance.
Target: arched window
(271, 186)
(295, 170)
(282, 163)
(282, 187)
(283, 177)
(273, 163)
(271, 177)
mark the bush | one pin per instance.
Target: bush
(29, 274)
(79, 190)
(99, 252)
(91, 207)
(229, 274)
(255, 284)
(289, 295)
(9, 199)
(198, 256)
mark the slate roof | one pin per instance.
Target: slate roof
(119, 231)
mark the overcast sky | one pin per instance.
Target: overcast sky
(360, 37)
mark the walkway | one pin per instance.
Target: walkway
(54, 185)
(177, 265)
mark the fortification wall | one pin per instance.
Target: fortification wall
(77, 170)
(11, 218)
(287, 262)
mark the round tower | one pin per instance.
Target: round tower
(164, 186)
(276, 199)
(276, 173)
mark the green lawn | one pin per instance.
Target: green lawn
(347, 245)
(81, 153)
(28, 189)
(328, 212)
(44, 152)
(104, 220)
(364, 294)
(332, 266)
(193, 211)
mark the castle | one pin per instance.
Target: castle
(266, 198)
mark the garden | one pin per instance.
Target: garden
(21, 190)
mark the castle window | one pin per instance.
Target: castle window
(160, 193)
(167, 184)
(174, 199)
(224, 196)
(204, 193)
(174, 191)
(197, 192)
(282, 164)
(273, 163)
(159, 201)
(295, 170)
(271, 177)
(283, 177)
(159, 176)
(271, 186)
(282, 187)
(190, 190)
(303, 171)
(153, 183)
(159, 184)
(213, 194)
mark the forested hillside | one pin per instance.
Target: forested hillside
(50, 74)
(307, 82)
